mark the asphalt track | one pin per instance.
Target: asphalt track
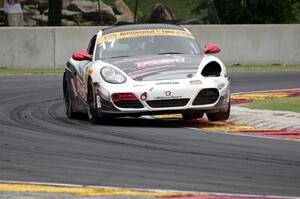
(38, 143)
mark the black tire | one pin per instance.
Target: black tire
(92, 104)
(219, 116)
(191, 116)
(69, 107)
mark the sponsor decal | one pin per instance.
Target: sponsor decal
(160, 62)
(167, 83)
(195, 82)
(110, 37)
(144, 96)
(168, 93)
(139, 85)
(167, 97)
(140, 33)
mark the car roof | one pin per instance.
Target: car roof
(140, 27)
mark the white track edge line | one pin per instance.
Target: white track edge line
(141, 189)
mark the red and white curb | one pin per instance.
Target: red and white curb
(80, 190)
(227, 127)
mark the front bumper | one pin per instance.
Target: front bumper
(180, 98)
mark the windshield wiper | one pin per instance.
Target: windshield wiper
(170, 53)
(119, 56)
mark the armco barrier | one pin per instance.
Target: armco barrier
(241, 44)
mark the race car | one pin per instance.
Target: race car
(146, 69)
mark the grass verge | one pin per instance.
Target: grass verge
(278, 104)
(261, 68)
(282, 104)
(241, 68)
(21, 71)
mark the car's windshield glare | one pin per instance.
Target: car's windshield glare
(147, 45)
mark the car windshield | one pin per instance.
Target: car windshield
(146, 45)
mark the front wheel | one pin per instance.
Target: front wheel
(219, 116)
(92, 103)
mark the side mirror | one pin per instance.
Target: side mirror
(82, 55)
(210, 48)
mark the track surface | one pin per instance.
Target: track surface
(38, 143)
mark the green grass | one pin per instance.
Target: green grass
(279, 104)
(21, 71)
(260, 68)
(241, 68)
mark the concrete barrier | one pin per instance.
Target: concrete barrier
(241, 44)
(25, 47)
(253, 44)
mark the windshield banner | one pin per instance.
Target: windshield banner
(140, 33)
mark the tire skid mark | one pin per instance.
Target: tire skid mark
(57, 115)
(48, 111)
(38, 115)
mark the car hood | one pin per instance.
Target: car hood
(158, 67)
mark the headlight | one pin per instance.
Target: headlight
(111, 75)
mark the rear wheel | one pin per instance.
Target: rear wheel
(191, 116)
(219, 116)
(68, 100)
(92, 104)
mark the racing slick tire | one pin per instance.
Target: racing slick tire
(69, 107)
(191, 116)
(93, 114)
(219, 116)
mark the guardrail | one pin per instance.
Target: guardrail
(44, 47)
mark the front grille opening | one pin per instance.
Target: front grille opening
(212, 69)
(206, 96)
(129, 104)
(167, 103)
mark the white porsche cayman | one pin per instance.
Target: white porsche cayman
(135, 70)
